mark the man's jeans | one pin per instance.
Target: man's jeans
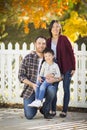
(30, 112)
(66, 88)
(41, 89)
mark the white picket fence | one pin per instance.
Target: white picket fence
(10, 87)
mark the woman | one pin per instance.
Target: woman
(65, 58)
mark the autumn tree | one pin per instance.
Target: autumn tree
(40, 13)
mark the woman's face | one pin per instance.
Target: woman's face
(55, 29)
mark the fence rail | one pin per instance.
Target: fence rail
(10, 87)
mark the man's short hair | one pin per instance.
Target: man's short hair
(40, 37)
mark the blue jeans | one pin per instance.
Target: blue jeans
(30, 112)
(66, 88)
(53, 107)
(41, 89)
(50, 95)
(54, 102)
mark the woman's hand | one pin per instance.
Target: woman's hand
(72, 72)
(59, 79)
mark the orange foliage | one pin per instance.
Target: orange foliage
(39, 11)
(26, 29)
(43, 25)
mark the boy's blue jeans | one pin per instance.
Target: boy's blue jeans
(41, 89)
(30, 112)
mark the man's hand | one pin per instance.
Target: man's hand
(34, 86)
(29, 83)
(40, 79)
(50, 80)
(49, 76)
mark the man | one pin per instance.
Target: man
(28, 73)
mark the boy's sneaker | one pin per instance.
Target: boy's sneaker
(36, 103)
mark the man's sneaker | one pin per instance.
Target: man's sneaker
(36, 103)
(48, 116)
(41, 110)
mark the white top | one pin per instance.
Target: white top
(40, 61)
(53, 47)
(49, 69)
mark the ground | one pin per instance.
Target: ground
(13, 119)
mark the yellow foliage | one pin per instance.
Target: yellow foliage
(75, 26)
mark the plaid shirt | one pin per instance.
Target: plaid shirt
(28, 70)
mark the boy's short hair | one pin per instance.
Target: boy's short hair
(48, 50)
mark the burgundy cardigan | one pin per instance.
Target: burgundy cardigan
(65, 55)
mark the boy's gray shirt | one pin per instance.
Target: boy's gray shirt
(49, 69)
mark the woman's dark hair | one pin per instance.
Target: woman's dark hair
(51, 25)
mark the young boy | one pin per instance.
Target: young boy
(49, 69)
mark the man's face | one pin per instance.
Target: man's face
(40, 45)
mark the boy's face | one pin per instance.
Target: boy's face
(48, 57)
